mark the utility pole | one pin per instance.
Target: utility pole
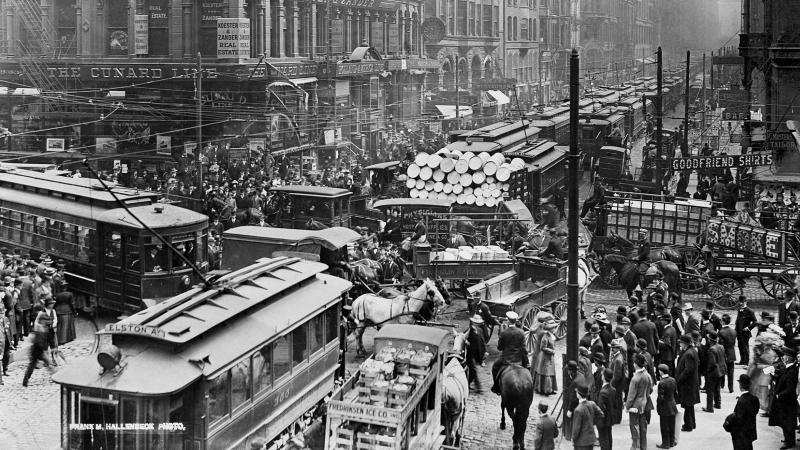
(573, 306)
(685, 145)
(703, 98)
(458, 99)
(644, 68)
(746, 81)
(659, 114)
(199, 131)
(712, 73)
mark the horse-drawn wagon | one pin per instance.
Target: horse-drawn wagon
(394, 400)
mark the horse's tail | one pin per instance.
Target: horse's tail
(359, 309)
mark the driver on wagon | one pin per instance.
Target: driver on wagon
(643, 253)
(511, 343)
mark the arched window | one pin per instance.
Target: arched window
(515, 28)
(509, 29)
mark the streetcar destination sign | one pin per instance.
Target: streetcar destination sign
(722, 162)
(130, 328)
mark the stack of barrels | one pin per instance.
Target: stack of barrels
(465, 178)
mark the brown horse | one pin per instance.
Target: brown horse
(516, 396)
(630, 278)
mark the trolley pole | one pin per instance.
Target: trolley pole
(199, 94)
(685, 145)
(573, 306)
(659, 114)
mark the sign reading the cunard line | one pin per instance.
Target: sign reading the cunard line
(770, 244)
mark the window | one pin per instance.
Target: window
(316, 334)
(262, 369)
(515, 29)
(496, 21)
(218, 400)
(462, 18)
(65, 26)
(240, 384)
(133, 258)
(281, 357)
(158, 27)
(332, 324)
(113, 248)
(487, 21)
(186, 248)
(117, 31)
(300, 345)
(451, 22)
(472, 18)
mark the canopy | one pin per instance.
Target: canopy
(502, 99)
(294, 81)
(449, 111)
(330, 238)
(412, 202)
(383, 165)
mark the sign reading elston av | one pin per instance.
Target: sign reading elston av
(233, 38)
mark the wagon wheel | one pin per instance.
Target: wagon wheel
(725, 292)
(610, 278)
(693, 259)
(767, 284)
(527, 324)
(694, 281)
(560, 313)
(784, 281)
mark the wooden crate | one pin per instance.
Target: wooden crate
(369, 441)
(398, 399)
(344, 439)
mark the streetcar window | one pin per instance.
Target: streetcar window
(133, 259)
(316, 335)
(40, 234)
(332, 324)
(240, 384)
(85, 240)
(27, 228)
(218, 397)
(281, 356)
(262, 369)
(185, 248)
(129, 416)
(300, 345)
(113, 246)
(155, 258)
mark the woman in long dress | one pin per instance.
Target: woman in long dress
(764, 356)
(65, 311)
(544, 379)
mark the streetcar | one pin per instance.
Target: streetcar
(326, 205)
(112, 261)
(217, 367)
(553, 124)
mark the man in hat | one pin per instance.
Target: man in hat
(715, 369)
(743, 429)
(475, 305)
(599, 361)
(643, 328)
(545, 429)
(606, 400)
(666, 407)
(476, 350)
(555, 246)
(511, 342)
(585, 368)
(790, 304)
(745, 322)
(583, 420)
(643, 250)
(597, 198)
(784, 398)
(12, 308)
(5, 341)
(572, 382)
(619, 379)
(690, 321)
(641, 349)
(727, 338)
(792, 329)
(38, 351)
(639, 403)
(668, 343)
(688, 380)
(624, 331)
(713, 318)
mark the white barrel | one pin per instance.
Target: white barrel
(485, 156)
(475, 163)
(420, 185)
(490, 168)
(425, 173)
(429, 185)
(478, 192)
(518, 161)
(488, 193)
(421, 159)
(447, 188)
(447, 165)
(458, 189)
(505, 187)
(461, 199)
(467, 155)
(503, 173)
(434, 160)
(453, 178)
(469, 199)
(452, 197)
(498, 158)
(441, 196)
(462, 166)
(455, 154)
(490, 180)
(496, 193)
(438, 175)
(423, 194)
(468, 190)
(410, 183)
(466, 180)
(478, 177)
(413, 193)
(479, 201)
(438, 186)
(484, 186)
(412, 171)
(491, 201)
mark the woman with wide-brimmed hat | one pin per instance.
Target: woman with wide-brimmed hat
(760, 369)
(544, 375)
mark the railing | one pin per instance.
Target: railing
(31, 15)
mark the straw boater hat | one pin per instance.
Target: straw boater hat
(476, 319)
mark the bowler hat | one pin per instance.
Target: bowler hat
(663, 368)
(572, 365)
(599, 357)
(583, 390)
(686, 339)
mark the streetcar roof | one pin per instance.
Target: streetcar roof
(432, 336)
(413, 202)
(218, 349)
(383, 165)
(330, 238)
(518, 207)
(312, 191)
(157, 215)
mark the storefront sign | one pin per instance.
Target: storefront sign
(495, 84)
(140, 34)
(210, 11)
(417, 63)
(743, 238)
(357, 411)
(233, 38)
(105, 145)
(163, 145)
(735, 113)
(721, 162)
(363, 68)
(781, 140)
(130, 328)
(157, 13)
(286, 70)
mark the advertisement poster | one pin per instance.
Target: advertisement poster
(106, 145)
(190, 148)
(233, 38)
(163, 145)
(55, 145)
(257, 146)
(140, 34)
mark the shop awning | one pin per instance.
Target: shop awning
(27, 91)
(294, 81)
(502, 99)
(449, 111)
(291, 150)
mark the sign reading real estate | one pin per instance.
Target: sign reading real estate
(140, 34)
(233, 38)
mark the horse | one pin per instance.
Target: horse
(627, 248)
(455, 391)
(375, 310)
(516, 396)
(630, 278)
(585, 277)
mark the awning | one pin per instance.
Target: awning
(290, 150)
(294, 81)
(647, 60)
(27, 91)
(502, 99)
(449, 111)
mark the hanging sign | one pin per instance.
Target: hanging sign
(233, 38)
(140, 34)
(743, 238)
(722, 161)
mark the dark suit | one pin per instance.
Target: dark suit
(667, 409)
(691, 324)
(583, 424)
(545, 433)
(716, 368)
(745, 321)
(605, 400)
(619, 381)
(744, 430)
(668, 346)
(783, 312)
(511, 343)
(792, 331)
(784, 404)
(644, 329)
(727, 337)
(688, 380)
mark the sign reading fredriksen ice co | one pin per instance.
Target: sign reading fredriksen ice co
(722, 162)
(233, 38)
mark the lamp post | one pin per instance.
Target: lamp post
(458, 98)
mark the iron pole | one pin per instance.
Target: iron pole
(746, 80)
(659, 113)
(703, 98)
(199, 131)
(685, 144)
(573, 306)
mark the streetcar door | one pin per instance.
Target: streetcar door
(99, 413)
(119, 270)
